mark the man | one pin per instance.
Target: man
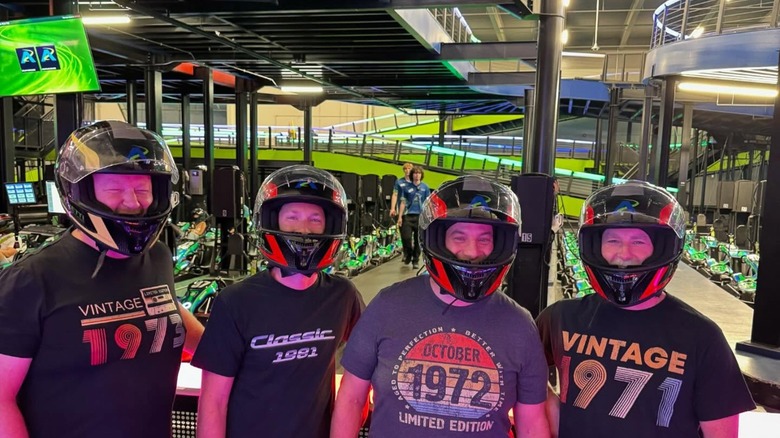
(91, 334)
(632, 359)
(398, 188)
(268, 354)
(412, 198)
(447, 354)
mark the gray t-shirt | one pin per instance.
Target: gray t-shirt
(440, 371)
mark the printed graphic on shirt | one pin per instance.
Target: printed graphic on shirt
(637, 365)
(449, 380)
(271, 341)
(145, 320)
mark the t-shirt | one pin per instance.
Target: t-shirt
(105, 351)
(414, 196)
(444, 371)
(398, 187)
(650, 373)
(279, 344)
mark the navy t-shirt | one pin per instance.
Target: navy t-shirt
(651, 373)
(445, 371)
(279, 344)
(105, 351)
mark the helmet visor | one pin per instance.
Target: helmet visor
(114, 147)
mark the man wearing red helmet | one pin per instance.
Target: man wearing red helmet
(91, 335)
(268, 353)
(633, 360)
(447, 354)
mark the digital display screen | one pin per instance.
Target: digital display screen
(53, 199)
(20, 193)
(45, 56)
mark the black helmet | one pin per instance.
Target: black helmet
(115, 147)
(295, 251)
(640, 205)
(469, 199)
(199, 215)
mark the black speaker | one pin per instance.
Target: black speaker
(228, 197)
(537, 200)
(351, 183)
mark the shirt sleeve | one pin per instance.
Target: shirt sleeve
(532, 381)
(21, 309)
(221, 349)
(719, 390)
(360, 354)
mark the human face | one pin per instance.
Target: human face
(407, 170)
(469, 242)
(124, 194)
(626, 246)
(302, 217)
(416, 177)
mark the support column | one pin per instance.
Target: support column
(186, 124)
(661, 149)
(207, 76)
(685, 151)
(614, 108)
(547, 86)
(132, 102)
(153, 92)
(7, 148)
(68, 115)
(242, 99)
(528, 130)
(647, 128)
(694, 170)
(597, 147)
(765, 335)
(308, 144)
(253, 165)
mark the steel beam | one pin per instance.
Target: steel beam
(7, 148)
(525, 50)
(548, 81)
(493, 79)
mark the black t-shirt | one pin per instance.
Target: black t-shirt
(279, 344)
(105, 351)
(651, 373)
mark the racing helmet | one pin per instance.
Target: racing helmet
(477, 200)
(297, 252)
(639, 205)
(116, 147)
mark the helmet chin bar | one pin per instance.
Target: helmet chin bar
(304, 249)
(622, 285)
(472, 280)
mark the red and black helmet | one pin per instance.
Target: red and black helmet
(301, 253)
(638, 205)
(469, 199)
(116, 147)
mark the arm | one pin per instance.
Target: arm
(727, 427)
(213, 405)
(401, 210)
(530, 421)
(348, 411)
(13, 370)
(553, 411)
(393, 202)
(193, 327)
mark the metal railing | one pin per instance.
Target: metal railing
(454, 24)
(684, 19)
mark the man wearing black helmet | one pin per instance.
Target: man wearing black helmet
(91, 335)
(447, 355)
(633, 360)
(268, 354)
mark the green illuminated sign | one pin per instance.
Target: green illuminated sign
(45, 56)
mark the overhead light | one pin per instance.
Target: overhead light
(565, 36)
(583, 55)
(566, 3)
(105, 19)
(699, 87)
(697, 32)
(303, 89)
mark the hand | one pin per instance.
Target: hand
(400, 220)
(393, 212)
